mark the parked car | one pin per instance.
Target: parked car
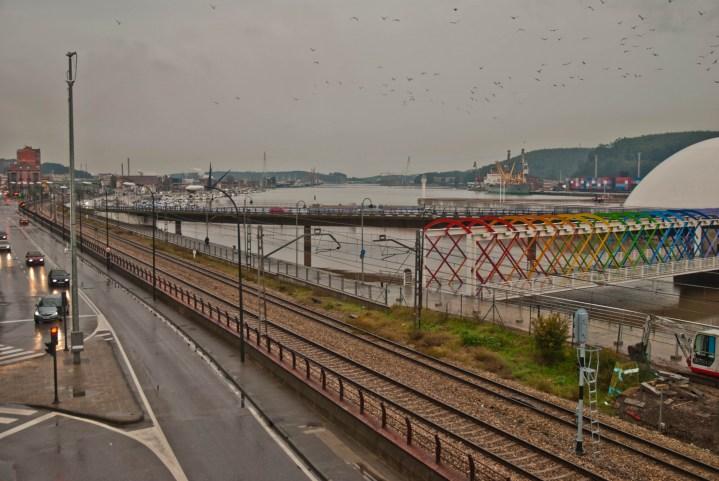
(4, 246)
(3, 235)
(24, 221)
(48, 308)
(34, 258)
(58, 278)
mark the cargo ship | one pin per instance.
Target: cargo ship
(507, 182)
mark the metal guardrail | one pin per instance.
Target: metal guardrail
(400, 211)
(431, 444)
(312, 276)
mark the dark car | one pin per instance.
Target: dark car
(24, 221)
(49, 308)
(34, 258)
(3, 235)
(58, 278)
(4, 246)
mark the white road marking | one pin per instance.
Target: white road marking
(281, 443)
(153, 436)
(15, 321)
(160, 446)
(26, 425)
(17, 411)
(22, 358)
(7, 354)
(5, 348)
(7, 420)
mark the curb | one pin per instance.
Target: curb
(93, 417)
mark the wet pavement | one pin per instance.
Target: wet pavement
(47, 446)
(203, 431)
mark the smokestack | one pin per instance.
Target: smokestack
(595, 165)
(122, 169)
(128, 166)
(509, 155)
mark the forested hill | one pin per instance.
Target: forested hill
(620, 157)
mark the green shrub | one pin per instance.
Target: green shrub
(550, 333)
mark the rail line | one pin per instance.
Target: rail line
(679, 462)
(428, 406)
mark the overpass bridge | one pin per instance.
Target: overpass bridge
(412, 217)
(539, 254)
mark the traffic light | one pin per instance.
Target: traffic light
(51, 347)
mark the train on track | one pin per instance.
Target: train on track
(703, 359)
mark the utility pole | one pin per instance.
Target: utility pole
(639, 165)
(418, 283)
(76, 334)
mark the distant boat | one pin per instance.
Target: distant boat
(503, 181)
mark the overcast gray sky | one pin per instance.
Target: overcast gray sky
(174, 84)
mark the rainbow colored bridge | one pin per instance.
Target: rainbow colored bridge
(531, 254)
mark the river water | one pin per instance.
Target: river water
(662, 297)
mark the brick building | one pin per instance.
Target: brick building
(26, 168)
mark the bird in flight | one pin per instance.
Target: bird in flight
(701, 14)
(213, 7)
(237, 98)
(118, 22)
(384, 18)
(514, 18)
(356, 19)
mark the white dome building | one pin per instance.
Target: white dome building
(688, 179)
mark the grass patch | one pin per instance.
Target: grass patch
(476, 345)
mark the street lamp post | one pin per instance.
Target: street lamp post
(76, 333)
(241, 305)
(248, 234)
(62, 209)
(154, 272)
(297, 225)
(362, 251)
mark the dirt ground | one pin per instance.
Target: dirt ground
(689, 411)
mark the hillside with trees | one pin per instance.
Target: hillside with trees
(619, 158)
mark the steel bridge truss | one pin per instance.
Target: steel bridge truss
(529, 254)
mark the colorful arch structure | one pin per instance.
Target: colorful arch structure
(530, 254)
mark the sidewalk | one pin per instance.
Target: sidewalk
(95, 389)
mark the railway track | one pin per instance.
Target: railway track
(472, 427)
(676, 461)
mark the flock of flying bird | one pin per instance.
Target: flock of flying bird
(409, 87)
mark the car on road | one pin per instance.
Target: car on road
(58, 278)
(24, 221)
(34, 258)
(48, 308)
(278, 210)
(5, 246)
(3, 235)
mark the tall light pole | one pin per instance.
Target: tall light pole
(154, 272)
(248, 234)
(297, 225)
(107, 231)
(241, 305)
(63, 188)
(362, 251)
(76, 333)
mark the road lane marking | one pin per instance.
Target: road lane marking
(22, 358)
(7, 420)
(17, 411)
(6, 354)
(14, 321)
(26, 425)
(162, 448)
